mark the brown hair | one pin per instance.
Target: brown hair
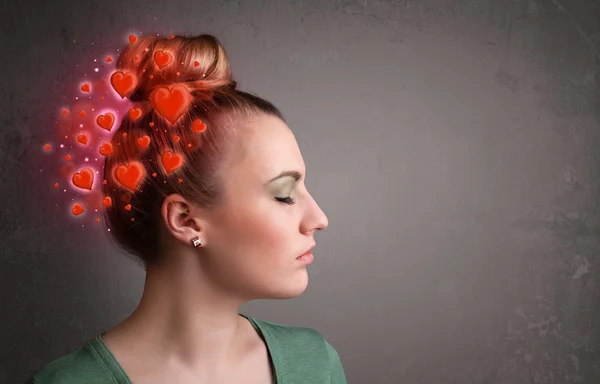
(201, 64)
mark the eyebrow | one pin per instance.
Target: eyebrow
(295, 174)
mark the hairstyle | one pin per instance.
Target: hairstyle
(201, 64)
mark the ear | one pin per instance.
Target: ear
(182, 219)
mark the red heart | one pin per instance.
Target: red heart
(171, 101)
(85, 87)
(135, 113)
(84, 179)
(106, 121)
(171, 161)
(128, 207)
(68, 157)
(106, 149)
(196, 63)
(162, 59)
(77, 209)
(130, 175)
(198, 126)
(144, 142)
(82, 113)
(107, 201)
(132, 39)
(82, 139)
(108, 59)
(123, 83)
(47, 147)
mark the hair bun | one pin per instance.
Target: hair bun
(199, 62)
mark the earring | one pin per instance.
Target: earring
(196, 242)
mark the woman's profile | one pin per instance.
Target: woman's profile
(204, 187)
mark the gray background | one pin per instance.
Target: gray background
(454, 146)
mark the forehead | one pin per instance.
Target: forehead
(265, 146)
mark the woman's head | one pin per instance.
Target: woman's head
(231, 144)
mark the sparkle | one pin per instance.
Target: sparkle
(96, 69)
(62, 145)
(86, 159)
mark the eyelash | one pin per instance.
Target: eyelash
(286, 200)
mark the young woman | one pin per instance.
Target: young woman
(205, 188)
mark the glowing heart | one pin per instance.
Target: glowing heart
(128, 207)
(144, 142)
(132, 39)
(196, 63)
(171, 161)
(106, 121)
(135, 113)
(176, 138)
(130, 175)
(107, 201)
(171, 101)
(82, 139)
(82, 113)
(77, 209)
(123, 83)
(162, 59)
(47, 147)
(108, 59)
(106, 149)
(68, 157)
(84, 179)
(85, 87)
(198, 126)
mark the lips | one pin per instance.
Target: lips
(307, 251)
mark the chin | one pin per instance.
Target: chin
(292, 286)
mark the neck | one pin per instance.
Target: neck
(186, 321)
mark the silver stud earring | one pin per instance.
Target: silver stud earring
(196, 242)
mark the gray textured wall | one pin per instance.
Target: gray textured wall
(454, 146)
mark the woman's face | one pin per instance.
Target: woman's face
(253, 239)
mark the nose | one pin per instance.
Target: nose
(315, 219)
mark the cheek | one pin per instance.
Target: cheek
(261, 234)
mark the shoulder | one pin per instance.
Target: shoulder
(80, 366)
(302, 350)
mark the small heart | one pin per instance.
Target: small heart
(106, 121)
(144, 142)
(64, 112)
(128, 207)
(171, 36)
(68, 157)
(132, 39)
(47, 147)
(162, 59)
(55, 185)
(77, 209)
(85, 87)
(123, 83)
(83, 139)
(108, 59)
(154, 174)
(171, 101)
(196, 63)
(171, 161)
(135, 113)
(97, 219)
(198, 126)
(130, 175)
(84, 179)
(151, 124)
(106, 149)
(82, 113)
(107, 201)
(176, 138)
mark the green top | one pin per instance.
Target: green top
(298, 355)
